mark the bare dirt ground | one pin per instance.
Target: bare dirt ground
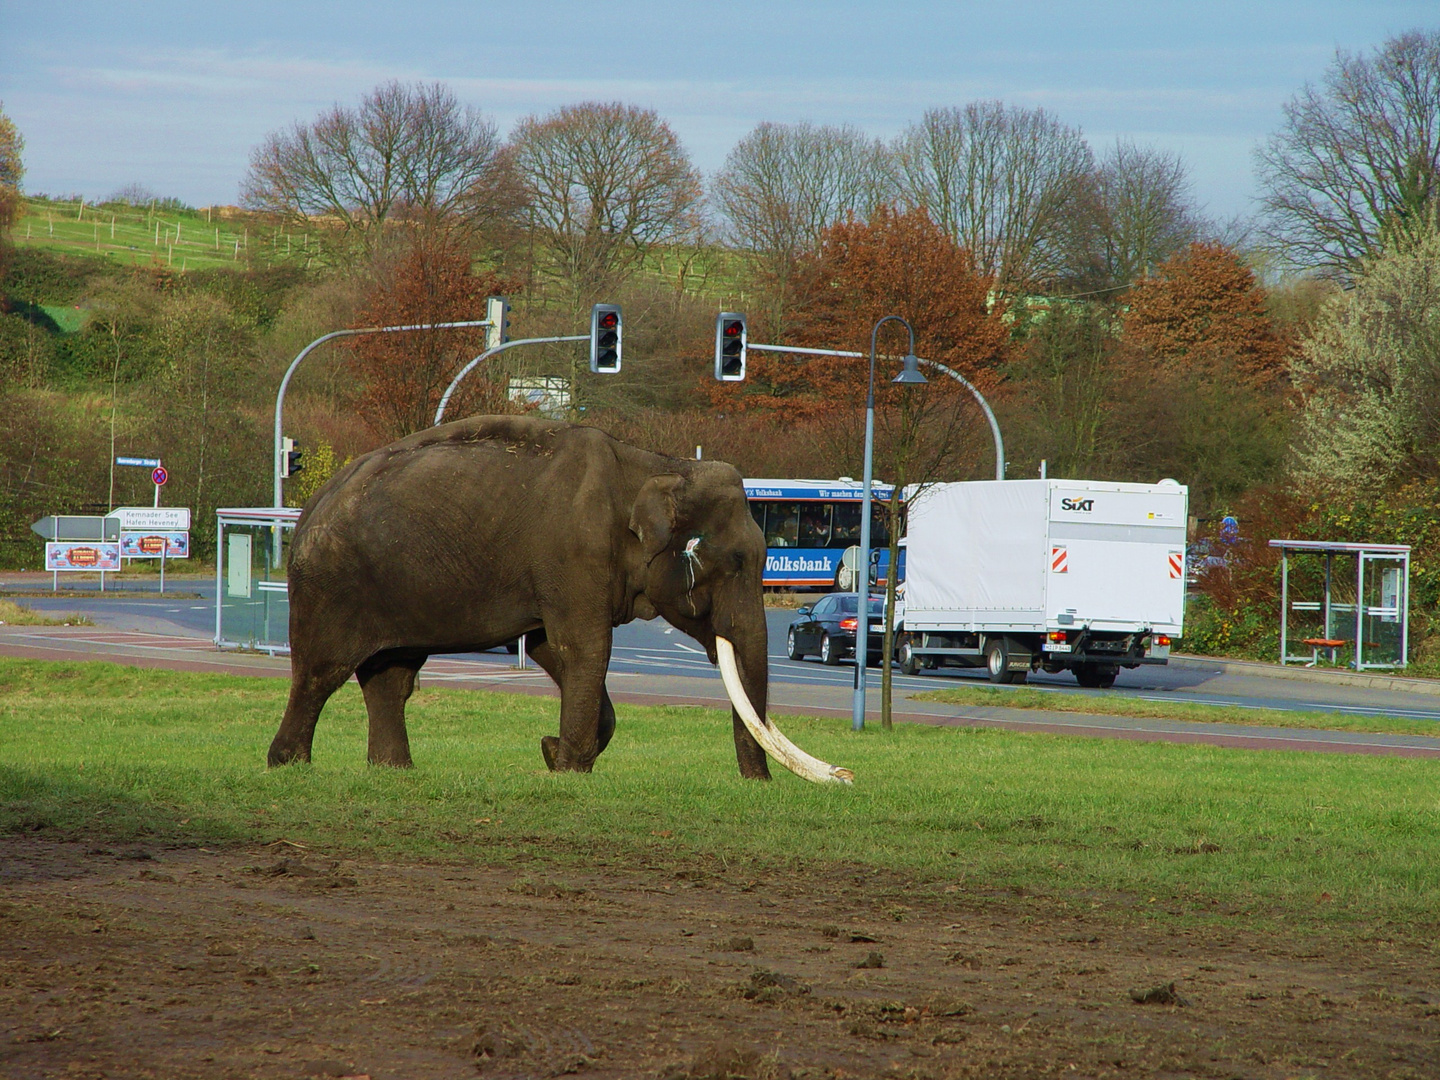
(144, 961)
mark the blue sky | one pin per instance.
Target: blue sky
(175, 95)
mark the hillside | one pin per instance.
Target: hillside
(164, 234)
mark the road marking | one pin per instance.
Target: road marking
(687, 648)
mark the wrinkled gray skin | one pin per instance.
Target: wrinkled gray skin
(464, 536)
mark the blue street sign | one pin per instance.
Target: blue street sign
(147, 462)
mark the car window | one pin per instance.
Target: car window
(847, 604)
(824, 606)
(877, 607)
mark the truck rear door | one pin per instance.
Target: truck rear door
(1117, 556)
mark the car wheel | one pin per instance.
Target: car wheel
(905, 656)
(997, 662)
(792, 649)
(828, 653)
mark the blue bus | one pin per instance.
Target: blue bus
(808, 524)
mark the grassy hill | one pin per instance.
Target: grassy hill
(164, 235)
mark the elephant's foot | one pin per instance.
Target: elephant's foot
(393, 762)
(392, 753)
(284, 755)
(558, 760)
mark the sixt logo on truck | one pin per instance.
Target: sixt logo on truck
(1085, 505)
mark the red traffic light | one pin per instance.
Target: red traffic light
(734, 328)
(608, 320)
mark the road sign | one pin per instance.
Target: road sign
(152, 518)
(86, 555)
(146, 462)
(159, 475)
(77, 527)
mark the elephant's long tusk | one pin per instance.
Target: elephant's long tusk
(767, 734)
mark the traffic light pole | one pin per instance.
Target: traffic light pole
(934, 365)
(473, 364)
(290, 371)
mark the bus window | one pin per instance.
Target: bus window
(847, 525)
(879, 525)
(757, 511)
(814, 525)
(782, 524)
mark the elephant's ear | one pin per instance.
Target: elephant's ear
(653, 519)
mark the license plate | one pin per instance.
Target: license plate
(877, 627)
(1055, 646)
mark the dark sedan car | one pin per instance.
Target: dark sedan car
(829, 627)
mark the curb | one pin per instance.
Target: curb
(1303, 674)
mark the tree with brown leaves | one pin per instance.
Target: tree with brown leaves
(1203, 308)
(403, 375)
(898, 263)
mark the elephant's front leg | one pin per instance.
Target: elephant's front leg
(587, 716)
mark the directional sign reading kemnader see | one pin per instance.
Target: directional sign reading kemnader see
(157, 518)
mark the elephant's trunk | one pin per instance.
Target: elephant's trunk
(766, 733)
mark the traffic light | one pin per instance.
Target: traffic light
(605, 339)
(730, 344)
(497, 314)
(290, 456)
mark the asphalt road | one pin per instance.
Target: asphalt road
(655, 648)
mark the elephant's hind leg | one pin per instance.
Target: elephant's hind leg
(387, 684)
(310, 687)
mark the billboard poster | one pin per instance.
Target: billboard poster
(82, 555)
(153, 545)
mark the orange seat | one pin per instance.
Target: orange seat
(1324, 643)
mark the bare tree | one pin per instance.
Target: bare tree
(1136, 214)
(784, 184)
(605, 184)
(1355, 156)
(1001, 181)
(409, 154)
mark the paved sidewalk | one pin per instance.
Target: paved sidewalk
(496, 671)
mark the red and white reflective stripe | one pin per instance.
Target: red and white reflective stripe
(1059, 561)
(1177, 564)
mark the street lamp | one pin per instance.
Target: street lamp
(909, 376)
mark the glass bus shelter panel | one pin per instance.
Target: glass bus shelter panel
(1383, 583)
(1317, 577)
(254, 595)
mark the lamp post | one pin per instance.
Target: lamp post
(909, 376)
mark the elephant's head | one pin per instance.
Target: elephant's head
(700, 561)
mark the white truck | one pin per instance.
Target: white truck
(1023, 575)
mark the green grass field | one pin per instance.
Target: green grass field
(135, 236)
(1117, 705)
(1200, 832)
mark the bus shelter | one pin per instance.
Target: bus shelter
(252, 596)
(1367, 616)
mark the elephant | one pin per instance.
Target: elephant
(462, 537)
